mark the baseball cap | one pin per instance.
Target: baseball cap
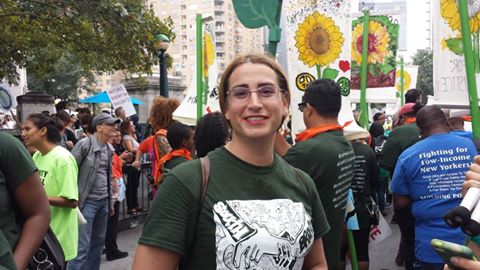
(104, 118)
(405, 109)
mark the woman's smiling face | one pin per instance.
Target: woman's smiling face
(256, 115)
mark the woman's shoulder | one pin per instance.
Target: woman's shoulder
(63, 155)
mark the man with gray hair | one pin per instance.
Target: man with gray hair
(94, 160)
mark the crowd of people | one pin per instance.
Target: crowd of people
(232, 192)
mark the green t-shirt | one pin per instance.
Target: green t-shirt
(58, 171)
(399, 139)
(328, 159)
(261, 217)
(365, 177)
(16, 166)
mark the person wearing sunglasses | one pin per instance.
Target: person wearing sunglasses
(258, 212)
(323, 153)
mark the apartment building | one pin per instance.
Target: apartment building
(231, 38)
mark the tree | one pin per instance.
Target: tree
(101, 35)
(424, 60)
(64, 81)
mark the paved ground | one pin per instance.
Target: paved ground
(382, 256)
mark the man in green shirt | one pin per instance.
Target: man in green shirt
(324, 154)
(404, 135)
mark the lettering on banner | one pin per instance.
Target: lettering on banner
(374, 233)
(444, 170)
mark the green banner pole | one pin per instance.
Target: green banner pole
(199, 65)
(402, 83)
(353, 251)
(363, 73)
(470, 67)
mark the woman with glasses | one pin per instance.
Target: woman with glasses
(58, 172)
(258, 212)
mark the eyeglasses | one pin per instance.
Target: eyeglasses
(264, 92)
(301, 106)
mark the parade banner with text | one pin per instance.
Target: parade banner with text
(449, 75)
(120, 98)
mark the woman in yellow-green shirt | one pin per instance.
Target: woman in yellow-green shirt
(58, 171)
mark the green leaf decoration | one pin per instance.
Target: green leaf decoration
(255, 13)
(455, 45)
(385, 69)
(344, 84)
(372, 70)
(397, 94)
(330, 73)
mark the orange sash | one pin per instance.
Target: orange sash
(410, 120)
(182, 152)
(312, 132)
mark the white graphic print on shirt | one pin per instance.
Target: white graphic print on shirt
(261, 234)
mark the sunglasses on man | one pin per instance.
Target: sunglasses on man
(301, 106)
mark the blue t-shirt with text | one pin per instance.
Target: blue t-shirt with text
(431, 173)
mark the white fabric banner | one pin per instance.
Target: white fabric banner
(449, 74)
(186, 113)
(318, 35)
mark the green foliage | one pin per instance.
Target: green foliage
(64, 81)
(101, 35)
(424, 60)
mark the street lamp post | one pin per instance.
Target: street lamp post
(161, 44)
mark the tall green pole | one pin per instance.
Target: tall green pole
(402, 82)
(353, 251)
(363, 73)
(470, 67)
(199, 66)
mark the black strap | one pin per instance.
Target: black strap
(85, 156)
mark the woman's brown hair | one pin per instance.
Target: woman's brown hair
(161, 112)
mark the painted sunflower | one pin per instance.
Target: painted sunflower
(407, 80)
(319, 40)
(208, 53)
(449, 11)
(378, 42)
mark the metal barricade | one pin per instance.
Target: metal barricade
(126, 220)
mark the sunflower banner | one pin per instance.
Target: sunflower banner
(449, 75)
(318, 38)
(410, 73)
(383, 32)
